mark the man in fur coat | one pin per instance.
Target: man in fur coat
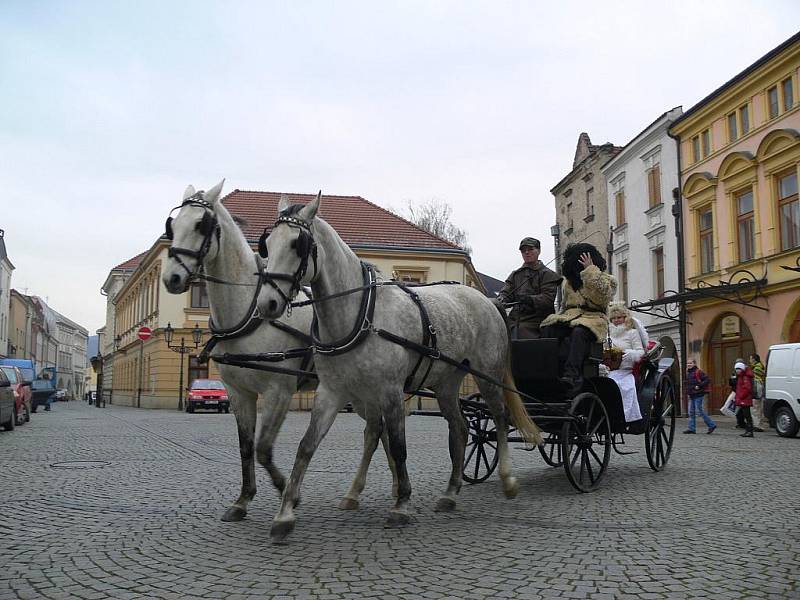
(587, 291)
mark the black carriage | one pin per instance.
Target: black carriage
(581, 431)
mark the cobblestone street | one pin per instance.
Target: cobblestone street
(125, 503)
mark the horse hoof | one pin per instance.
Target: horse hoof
(234, 513)
(397, 518)
(445, 504)
(348, 504)
(511, 487)
(280, 530)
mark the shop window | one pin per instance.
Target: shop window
(199, 295)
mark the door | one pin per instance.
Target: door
(726, 345)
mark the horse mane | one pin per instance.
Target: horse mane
(571, 268)
(292, 210)
(240, 221)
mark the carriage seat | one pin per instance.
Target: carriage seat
(544, 359)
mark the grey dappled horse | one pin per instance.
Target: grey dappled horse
(203, 231)
(304, 249)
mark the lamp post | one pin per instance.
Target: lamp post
(117, 341)
(555, 231)
(197, 335)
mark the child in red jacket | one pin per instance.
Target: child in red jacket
(744, 395)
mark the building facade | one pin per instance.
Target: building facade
(740, 163)
(580, 197)
(6, 268)
(147, 374)
(640, 180)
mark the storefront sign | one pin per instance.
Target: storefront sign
(731, 326)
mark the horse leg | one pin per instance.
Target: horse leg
(279, 397)
(372, 433)
(394, 419)
(323, 414)
(244, 408)
(447, 398)
(390, 460)
(494, 400)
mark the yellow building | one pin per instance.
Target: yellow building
(740, 164)
(148, 374)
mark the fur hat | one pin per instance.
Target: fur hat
(618, 309)
(571, 267)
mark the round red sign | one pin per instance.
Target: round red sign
(145, 333)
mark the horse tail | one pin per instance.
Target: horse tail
(516, 409)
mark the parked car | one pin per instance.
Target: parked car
(782, 389)
(22, 393)
(8, 406)
(207, 393)
(61, 395)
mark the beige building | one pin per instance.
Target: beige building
(581, 205)
(740, 158)
(149, 375)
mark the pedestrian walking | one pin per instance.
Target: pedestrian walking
(744, 395)
(697, 386)
(759, 380)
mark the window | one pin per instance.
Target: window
(744, 119)
(199, 295)
(706, 139)
(706, 240)
(745, 226)
(733, 132)
(590, 202)
(696, 148)
(410, 275)
(623, 282)
(772, 101)
(658, 264)
(788, 96)
(789, 210)
(654, 185)
(620, 207)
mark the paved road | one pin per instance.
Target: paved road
(722, 521)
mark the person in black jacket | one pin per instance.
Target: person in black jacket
(697, 384)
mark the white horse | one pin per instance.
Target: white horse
(204, 232)
(355, 360)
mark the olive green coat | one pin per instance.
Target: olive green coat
(534, 289)
(588, 305)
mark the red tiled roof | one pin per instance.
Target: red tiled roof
(358, 221)
(131, 263)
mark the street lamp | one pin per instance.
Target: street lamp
(197, 336)
(100, 396)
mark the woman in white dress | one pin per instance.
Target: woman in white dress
(626, 336)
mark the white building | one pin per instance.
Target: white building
(5, 295)
(640, 180)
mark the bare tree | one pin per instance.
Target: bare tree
(434, 216)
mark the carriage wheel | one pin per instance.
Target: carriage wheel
(661, 426)
(480, 456)
(586, 442)
(551, 449)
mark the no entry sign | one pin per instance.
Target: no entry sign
(145, 333)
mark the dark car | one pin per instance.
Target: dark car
(8, 405)
(22, 393)
(209, 394)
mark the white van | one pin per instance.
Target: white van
(782, 390)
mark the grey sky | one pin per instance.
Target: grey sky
(111, 108)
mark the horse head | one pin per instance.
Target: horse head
(191, 232)
(291, 252)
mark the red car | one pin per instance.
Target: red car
(22, 393)
(207, 393)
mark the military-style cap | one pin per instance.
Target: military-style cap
(529, 241)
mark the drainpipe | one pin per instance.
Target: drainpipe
(677, 212)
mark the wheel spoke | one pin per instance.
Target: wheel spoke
(478, 462)
(583, 462)
(589, 467)
(597, 458)
(471, 453)
(591, 414)
(574, 458)
(599, 423)
(666, 412)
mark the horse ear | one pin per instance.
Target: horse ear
(212, 195)
(283, 203)
(309, 211)
(190, 191)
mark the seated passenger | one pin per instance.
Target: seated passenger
(587, 290)
(625, 335)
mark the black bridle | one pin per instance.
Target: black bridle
(306, 248)
(208, 226)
